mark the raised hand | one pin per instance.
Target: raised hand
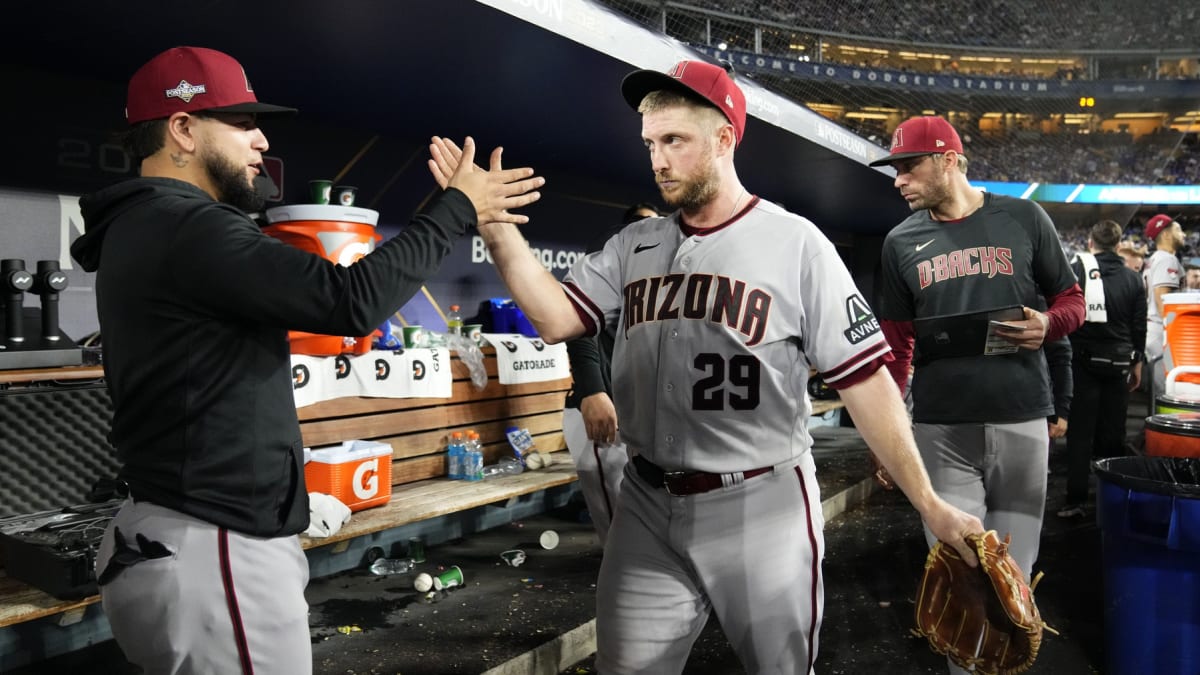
(493, 192)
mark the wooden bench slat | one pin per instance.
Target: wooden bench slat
(490, 434)
(422, 500)
(26, 603)
(443, 416)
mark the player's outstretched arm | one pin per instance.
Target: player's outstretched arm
(533, 288)
(880, 416)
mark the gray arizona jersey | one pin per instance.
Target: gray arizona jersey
(715, 333)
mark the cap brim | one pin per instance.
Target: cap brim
(260, 109)
(637, 84)
(898, 156)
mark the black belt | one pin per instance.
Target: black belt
(683, 483)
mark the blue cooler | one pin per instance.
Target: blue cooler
(1148, 512)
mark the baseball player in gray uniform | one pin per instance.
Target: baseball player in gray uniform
(1163, 274)
(719, 310)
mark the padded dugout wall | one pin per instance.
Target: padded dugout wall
(53, 446)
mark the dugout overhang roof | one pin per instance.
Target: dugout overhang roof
(540, 77)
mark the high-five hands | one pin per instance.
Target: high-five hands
(493, 192)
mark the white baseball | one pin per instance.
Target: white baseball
(423, 582)
(533, 460)
(547, 460)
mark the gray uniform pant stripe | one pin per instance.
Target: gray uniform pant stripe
(173, 615)
(750, 552)
(996, 472)
(600, 470)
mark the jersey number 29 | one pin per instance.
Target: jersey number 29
(735, 381)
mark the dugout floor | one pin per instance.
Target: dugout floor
(511, 620)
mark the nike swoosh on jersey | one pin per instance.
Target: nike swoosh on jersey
(644, 247)
(921, 246)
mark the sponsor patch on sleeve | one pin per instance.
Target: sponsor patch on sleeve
(863, 323)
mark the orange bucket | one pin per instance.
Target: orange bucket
(341, 234)
(1173, 435)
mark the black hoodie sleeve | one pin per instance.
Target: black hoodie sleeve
(223, 261)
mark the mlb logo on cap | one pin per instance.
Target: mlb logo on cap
(921, 136)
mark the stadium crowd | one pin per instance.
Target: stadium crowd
(1152, 24)
(1074, 236)
(1166, 158)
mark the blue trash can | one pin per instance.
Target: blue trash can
(1148, 512)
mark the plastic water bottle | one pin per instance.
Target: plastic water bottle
(391, 566)
(507, 466)
(456, 451)
(454, 323)
(473, 457)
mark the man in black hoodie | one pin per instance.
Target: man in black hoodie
(201, 571)
(1106, 359)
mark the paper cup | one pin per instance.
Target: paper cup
(416, 549)
(513, 557)
(448, 579)
(473, 332)
(318, 191)
(415, 337)
(342, 195)
(549, 540)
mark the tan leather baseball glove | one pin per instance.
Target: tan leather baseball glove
(983, 618)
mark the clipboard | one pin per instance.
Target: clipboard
(965, 334)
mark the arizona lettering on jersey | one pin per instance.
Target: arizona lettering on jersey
(988, 260)
(702, 297)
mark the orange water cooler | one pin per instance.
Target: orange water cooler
(358, 473)
(342, 234)
(1181, 344)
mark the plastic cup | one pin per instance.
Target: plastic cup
(448, 579)
(318, 191)
(549, 540)
(415, 337)
(342, 195)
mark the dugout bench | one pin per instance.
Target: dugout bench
(416, 428)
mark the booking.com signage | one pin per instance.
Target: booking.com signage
(1096, 194)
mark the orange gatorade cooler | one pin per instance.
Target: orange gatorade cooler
(1181, 344)
(342, 234)
(358, 473)
(1173, 435)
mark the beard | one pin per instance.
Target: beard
(230, 181)
(696, 192)
(937, 191)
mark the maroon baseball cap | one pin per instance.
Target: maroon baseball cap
(697, 78)
(921, 136)
(188, 79)
(1157, 224)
